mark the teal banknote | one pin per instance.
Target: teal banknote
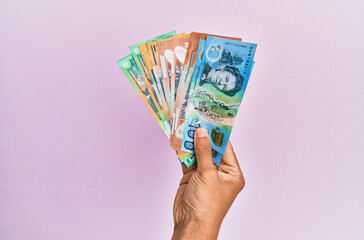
(189, 160)
(220, 85)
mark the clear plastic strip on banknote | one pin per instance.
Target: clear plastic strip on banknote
(220, 85)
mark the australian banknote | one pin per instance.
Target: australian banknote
(182, 93)
(156, 68)
(152, 79)
(220, 85)
(166, 58)
(179, 47)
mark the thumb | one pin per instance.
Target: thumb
(203, 150)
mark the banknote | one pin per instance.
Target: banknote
(179, 47)
(220, 85)
(166, 59)
(157, 70)
(154, 59)
(183, 155)
(128, 66)
(189, 160)
(184, 88)
(152, 80)
(182, 93)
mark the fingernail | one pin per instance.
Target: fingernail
(201, 132)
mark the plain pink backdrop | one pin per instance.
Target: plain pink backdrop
(82, 158)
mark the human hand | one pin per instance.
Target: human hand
(206, 192)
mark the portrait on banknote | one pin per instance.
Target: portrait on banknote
(227, 79)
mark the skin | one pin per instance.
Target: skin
(206, 192)
(222, 80)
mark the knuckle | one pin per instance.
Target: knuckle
(241, 183)
(207, 173)
(203, 148)
(229, 147)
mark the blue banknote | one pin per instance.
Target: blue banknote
(221, 81)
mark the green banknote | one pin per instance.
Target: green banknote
(189, 160)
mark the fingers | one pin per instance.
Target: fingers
(203, 150)
(229, 157)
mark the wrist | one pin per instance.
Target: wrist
(196, 230)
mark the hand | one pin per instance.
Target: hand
(206, 192)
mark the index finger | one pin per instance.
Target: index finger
(229, 157)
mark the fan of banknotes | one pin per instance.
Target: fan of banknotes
(189, 81)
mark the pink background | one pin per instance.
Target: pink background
(82, 158)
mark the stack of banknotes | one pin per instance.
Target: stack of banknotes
(191, 80)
